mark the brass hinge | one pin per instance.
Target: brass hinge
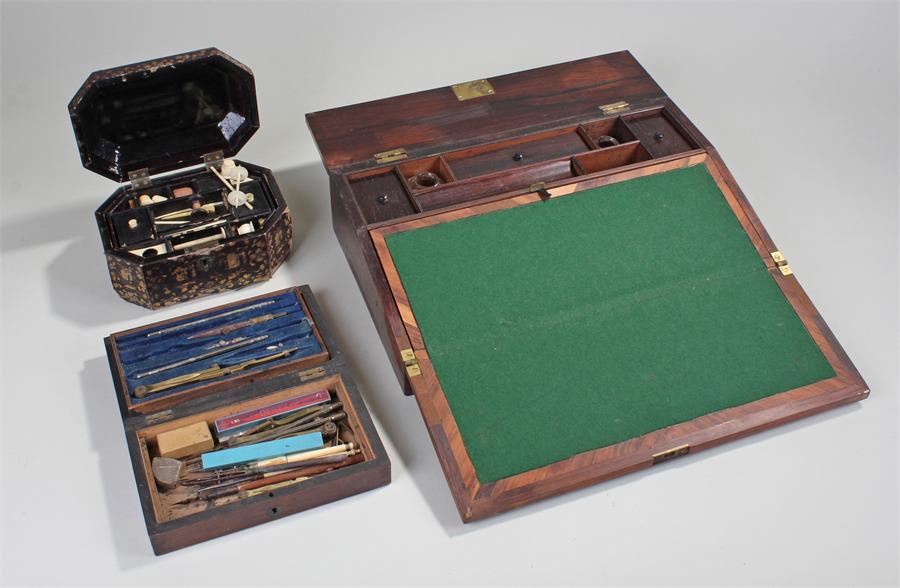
(409, 360)
(473, 89)
(614, 107)
(139, 178)
(157, 417)
(671, 453)
(781, 263)
(389, 156)
(311, 374)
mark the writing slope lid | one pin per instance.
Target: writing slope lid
(164, 114)
(434, 121)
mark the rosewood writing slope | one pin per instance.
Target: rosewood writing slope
(569, 280)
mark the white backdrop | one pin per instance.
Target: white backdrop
(800, 99)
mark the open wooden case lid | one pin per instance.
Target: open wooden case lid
(163, 114)
(425, 123)
(285, 330)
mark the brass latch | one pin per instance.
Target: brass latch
(782, 263)
(614, 107)
(473, 89)
(311, 374)
(157, 417)
(389, 156)
(671, 453)
(409, 360)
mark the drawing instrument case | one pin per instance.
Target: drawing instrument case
(317, 364)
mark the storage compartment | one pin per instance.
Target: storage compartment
(196, 489)
(658, 134)
(381, 196)
(425, 174)
(606, 133)
(241, 414)
(516, 153)
(609, 158)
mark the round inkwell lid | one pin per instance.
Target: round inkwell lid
(164, 114)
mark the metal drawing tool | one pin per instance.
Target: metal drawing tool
(351, 457)
(326, 425)
(212, 372)
(210, 318)
(287, 430)
(299, 417)
(235, 326)
(202, 356)
(263, 489)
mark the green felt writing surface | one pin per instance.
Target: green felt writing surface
(572, 324)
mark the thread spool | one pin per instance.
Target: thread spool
(245, 228)
(238, 174)
(227, 166)
(144, 200)
(158, 198)
(237, 198)
(132, 223)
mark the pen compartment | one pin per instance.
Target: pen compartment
(193, 493)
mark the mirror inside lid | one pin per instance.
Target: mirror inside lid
(164, 114)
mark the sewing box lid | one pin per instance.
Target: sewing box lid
(163, 114)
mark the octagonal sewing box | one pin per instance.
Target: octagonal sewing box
(168, 127)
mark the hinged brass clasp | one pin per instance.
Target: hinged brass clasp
(409, 360)
(473, 89)
(389, 156)
(781, 263)
(614, 107)
(311, 374)
(158, 417)
(671, 453)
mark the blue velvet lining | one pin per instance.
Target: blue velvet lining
(139, 353)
